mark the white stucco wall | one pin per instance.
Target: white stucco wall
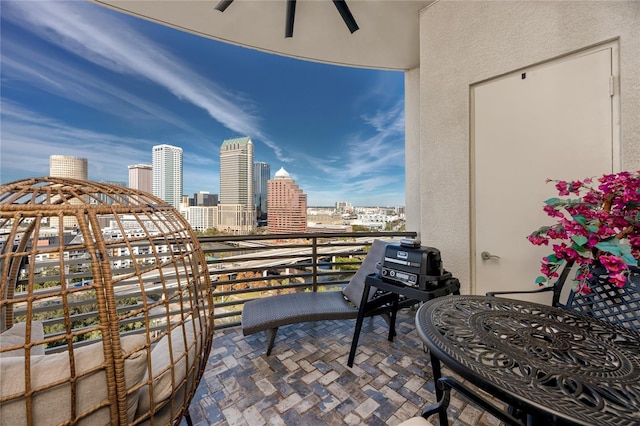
(464, 42)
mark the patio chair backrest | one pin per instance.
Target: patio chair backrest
(558, 286)
(607, 301)
(610, 302)
(353, 291)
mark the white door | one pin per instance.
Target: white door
(554, 120)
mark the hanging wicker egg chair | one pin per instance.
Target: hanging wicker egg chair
(106, 314)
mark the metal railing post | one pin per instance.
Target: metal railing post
(314, 263)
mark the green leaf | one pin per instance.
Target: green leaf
(610, 246)
(552, 258)
(624, 249)
(626, 255)
(593, 229)
(629, 259)
(579, 248)
(574, 201)
(580, 219)
(553, 201)
(580, 240)
(541, 280)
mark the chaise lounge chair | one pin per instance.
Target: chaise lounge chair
(269, 313)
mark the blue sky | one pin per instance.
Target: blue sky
(79, 79)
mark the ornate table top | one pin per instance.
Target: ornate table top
(584, 371)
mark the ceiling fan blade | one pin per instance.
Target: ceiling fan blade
(342, 7)
(223, 4)
(291, 14)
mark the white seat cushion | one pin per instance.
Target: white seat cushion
(172, 360)
(16, 336)
(52, 389)
(416, 421)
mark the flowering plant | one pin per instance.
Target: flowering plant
(598, 230)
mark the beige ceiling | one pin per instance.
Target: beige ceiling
(387, 38)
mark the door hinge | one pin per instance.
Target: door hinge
(611, 86)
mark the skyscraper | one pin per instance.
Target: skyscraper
(236, 171)
(287, 205)
(167, 173)
(204, 199)
(261, 174)
(67, 166)
(141, 177)
(236, 208)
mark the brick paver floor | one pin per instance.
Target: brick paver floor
(305, 380)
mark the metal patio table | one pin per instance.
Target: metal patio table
(548, 365)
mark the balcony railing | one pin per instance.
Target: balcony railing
(242, 268)
(245, 267)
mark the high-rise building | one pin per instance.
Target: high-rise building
(261, 174)
(202, 218)
(141, 177)
(167, 173)
(204, 199)
(104, 197)
(66, 166)
(236, 171)
(287, 205)
(236, 209)
(69, 167)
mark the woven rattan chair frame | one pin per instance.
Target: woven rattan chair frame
(107, 306)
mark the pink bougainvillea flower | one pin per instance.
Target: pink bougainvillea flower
(618, 279)
(551, 211)
(584, 289)
(612, 263)
(562, 187)
(538, 240)
(597, 229)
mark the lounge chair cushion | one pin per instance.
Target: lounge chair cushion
(274, 311)
(284, 309)
(353, 291)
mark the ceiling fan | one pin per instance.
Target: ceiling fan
(341, 5)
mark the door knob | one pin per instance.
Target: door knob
(485, 255)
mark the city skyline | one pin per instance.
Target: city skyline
(82, 80)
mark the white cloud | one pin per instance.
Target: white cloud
(367, 168)
(24, 131)
(391, 120)
(55, 76)
(363, 156)
(96, 35)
